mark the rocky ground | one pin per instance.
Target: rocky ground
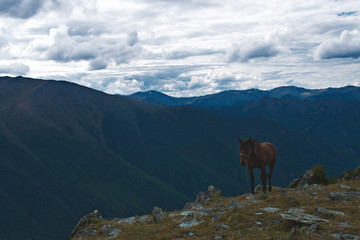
(304, 211)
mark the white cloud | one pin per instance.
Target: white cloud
(252, 50)
(15, 69)
(179, 46)
(20, 8)
(345, 46)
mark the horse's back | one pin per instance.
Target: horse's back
(270, 152)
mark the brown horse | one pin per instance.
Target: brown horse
(258, 155)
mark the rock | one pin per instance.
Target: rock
(344, 236)
(296, 210)
(250, 197)
(202, 198)
(329, 211)
(114, 232)
(186, 213)
(316, 187)
(191, 223)
(340, 195)
(199, 213)
(218, 237)
(236, 203)
(191, 234)
(258, 188)
(343, 187)
(344, 224)
(129, 220)
(192, 205)
(144, 218)
(302, 180)
(83, 222)
(270, 209)
(302, 217)
(282, 190)
(104, 228)
(158, 214)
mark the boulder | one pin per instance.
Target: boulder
(302, 180)
(83, 222)
(341, 195)
(190, 223)
(202, 198)
(303, 217)
(114, 232)
(344, 236)
(158, 214)
(329, 211)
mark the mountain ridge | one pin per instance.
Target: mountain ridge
(234, 97)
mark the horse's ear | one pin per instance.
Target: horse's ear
(240, 141)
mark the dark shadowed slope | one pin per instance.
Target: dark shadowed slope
(334, 121)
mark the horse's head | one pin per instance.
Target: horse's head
(246, 147)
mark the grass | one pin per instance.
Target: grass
(252, 222)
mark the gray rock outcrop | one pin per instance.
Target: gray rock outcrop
(302, 180)
(158, 214)
(341, 195)
(83, 222)
(202, 198)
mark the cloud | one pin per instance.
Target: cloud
(185, 53)
(180, 81)
(99, 51)
(347, 45)
(14, 69)
(85, 28)
(3, 42)
(132, 38)
(20, 8)
(251, 50)
(97, 64)
(60, 47)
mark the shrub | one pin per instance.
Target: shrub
(319, 175)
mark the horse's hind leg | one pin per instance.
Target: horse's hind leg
(271, 169)
(263, 178)
(252, 179)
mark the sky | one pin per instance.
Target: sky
(182, 47)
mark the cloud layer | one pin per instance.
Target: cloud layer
(182, 48)
(345, 46)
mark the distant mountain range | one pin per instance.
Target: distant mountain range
(234, 97)
(67, 150)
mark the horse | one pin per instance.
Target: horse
(254, 154)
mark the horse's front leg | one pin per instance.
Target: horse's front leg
(251, 170)
(263, 178)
